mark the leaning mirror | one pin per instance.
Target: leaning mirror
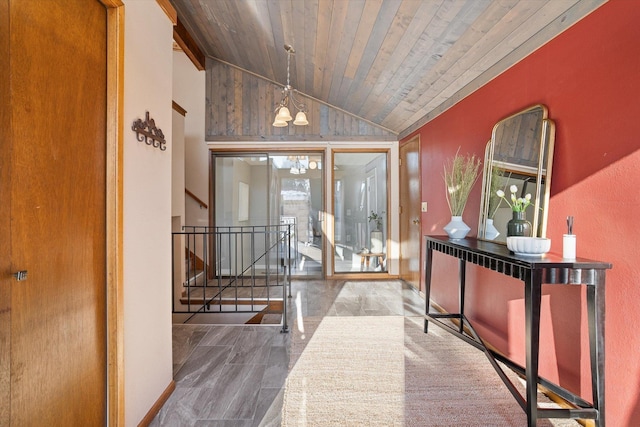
(519, 154)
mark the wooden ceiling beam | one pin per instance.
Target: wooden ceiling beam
(169, 10)
(188, 45)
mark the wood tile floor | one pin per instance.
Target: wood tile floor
(234, 376)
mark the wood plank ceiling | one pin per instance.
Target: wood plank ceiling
(393, 63)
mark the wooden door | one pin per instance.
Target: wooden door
(410, 201)
(55, 154)
(5, 212)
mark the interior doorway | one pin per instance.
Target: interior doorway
(256, 189)
(360, 211)
(410, 212)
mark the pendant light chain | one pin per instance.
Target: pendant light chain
(288, 65)
(283, 116)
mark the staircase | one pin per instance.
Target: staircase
(248, 281)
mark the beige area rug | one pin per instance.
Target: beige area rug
(384, 371)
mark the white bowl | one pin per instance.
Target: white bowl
(528, 245)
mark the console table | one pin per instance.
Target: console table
(533, 271)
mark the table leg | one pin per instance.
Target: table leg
(427, 285)
(595, 313)
(532, 298)
(462, 279)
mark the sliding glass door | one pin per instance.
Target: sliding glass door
(360, 207)
(253, 189)
(287, 187)
(242, 183)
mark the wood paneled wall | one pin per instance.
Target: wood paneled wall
(241, 106)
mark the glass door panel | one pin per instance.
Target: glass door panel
(242, 205)
(300, 202)
(360, 211)
(275, 188)
(241, 184)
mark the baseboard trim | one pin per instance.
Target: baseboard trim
(146, 421)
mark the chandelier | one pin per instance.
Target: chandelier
(297, 166)
(283, 115)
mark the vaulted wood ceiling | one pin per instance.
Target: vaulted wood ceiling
(394, 63)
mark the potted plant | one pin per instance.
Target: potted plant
(518, 225)
(377, 219)
(460, 174)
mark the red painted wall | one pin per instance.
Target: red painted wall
(589, 78)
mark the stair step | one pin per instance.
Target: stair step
(196, 279)
(271, 319)
(231, 301)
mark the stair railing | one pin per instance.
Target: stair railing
(241, 269)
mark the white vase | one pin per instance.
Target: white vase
(457, 229)
(376, 242)
(490, 231)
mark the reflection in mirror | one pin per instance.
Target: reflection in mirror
(520, 153)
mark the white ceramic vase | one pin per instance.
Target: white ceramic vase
(457, 229)
(490, 231)
(376, 242)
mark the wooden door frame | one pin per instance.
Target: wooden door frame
(400, 263)
(271, 151)
(114, 197)
(114, 202)
(331, 236)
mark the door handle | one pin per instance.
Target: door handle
(20, 275)
(416, 221)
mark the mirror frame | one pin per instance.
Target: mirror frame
(542, 173)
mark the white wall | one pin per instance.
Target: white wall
(177, 203)
(177, 165)
(147, 210)
(189, 92)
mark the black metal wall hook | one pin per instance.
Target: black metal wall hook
(148, 132)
